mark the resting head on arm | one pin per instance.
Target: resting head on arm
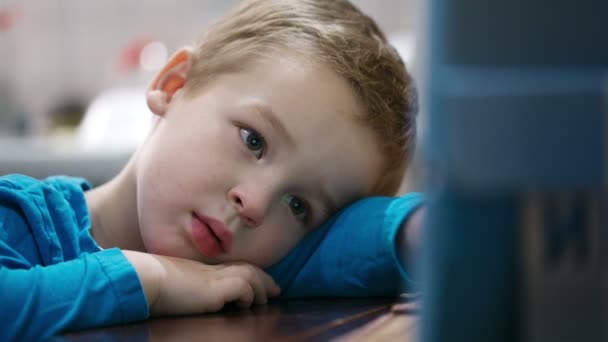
(283, 113)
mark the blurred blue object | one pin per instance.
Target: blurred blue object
(517, 154)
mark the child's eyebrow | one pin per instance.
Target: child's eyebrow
(268, 115)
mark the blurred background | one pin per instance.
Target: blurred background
(515, 154)
(73, 74)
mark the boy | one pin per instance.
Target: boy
(283, 113)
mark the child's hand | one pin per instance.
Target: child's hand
(181, 286)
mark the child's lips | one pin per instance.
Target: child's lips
(211, 236)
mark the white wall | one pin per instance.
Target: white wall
(68, 48)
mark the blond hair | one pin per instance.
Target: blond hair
(333, 32)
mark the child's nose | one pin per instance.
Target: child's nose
(250, 207)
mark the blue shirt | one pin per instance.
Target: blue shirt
(54, 277)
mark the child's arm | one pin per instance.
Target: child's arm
(355, 253)
(180, 286)
(94, 290)
(101, 289)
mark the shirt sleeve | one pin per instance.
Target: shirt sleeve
(354, 254)
(97, 289)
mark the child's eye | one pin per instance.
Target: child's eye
(298, 207)
(254, 141)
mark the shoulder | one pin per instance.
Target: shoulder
(26, 184)
(46, 215)
(28, 193)
(17, 186)
(17, 244)
(17, 181)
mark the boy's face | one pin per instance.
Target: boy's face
(252, 162)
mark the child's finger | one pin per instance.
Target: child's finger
(236, 289)
(269, 284)
(251, 275)
(271, 288)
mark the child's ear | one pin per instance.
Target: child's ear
(168, 81)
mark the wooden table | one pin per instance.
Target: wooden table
(307, 319)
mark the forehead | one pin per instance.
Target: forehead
(318, 109)
(289, 81)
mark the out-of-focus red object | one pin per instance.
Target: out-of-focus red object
(128, 58)
(8, 16)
